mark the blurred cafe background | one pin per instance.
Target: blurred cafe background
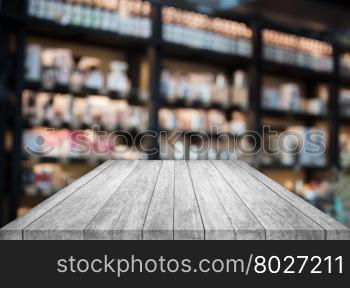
(70, 69)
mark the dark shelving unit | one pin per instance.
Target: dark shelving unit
(200, 105)
(12, 32)
(278, 166)
(157, 50)
(301, 116)
(295, 72)
(133, 97)
(51, 29)
(193, 54)
(53, 160)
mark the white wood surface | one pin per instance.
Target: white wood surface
(217, 224)
(123, 215)
(280, 219)
(69, 218)
(160, 218)
(164, 200)
(14, 230)
(188, 223)
(245, 224)
(333, 229)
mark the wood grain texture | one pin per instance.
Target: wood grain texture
(68, 219)
(159, 222)
(280, 219)
(188, 223)
(181, 200)
(14, 230)
(333, 229)
(245, 224)
(217, 224)
(123, 216)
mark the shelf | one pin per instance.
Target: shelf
(32, 201)
(278, 166)
(204, 56)
(294, 115)
(133, 97)
(56, 160)
(296, 72)
(345, 119)
(51, 29)
(345, 169)
(203, 133)
(181, 103)
(133, 132)
(12, 19)
(345, 81)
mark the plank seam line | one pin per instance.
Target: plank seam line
(92, 218)
(195, 195)
(274, 191)
(233, 190)
(279, 197)
(222, 205)
(174, 203)
(277, 211)
(149, 203)
(64, 199)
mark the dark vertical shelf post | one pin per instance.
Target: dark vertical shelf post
(4, 108)
(256, 72)
(16, 183)
(155, 58)
(334, 118)
(133, 60)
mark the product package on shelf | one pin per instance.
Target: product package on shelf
(202, 148)
(299, 51)
(240, 90)
(318, 193)
(117, 80)
(345, 64)
(205, 89)
(283, 96)
(33, 63)
(211, 122)
(344, 144)
(90, 146)
(45, 179)
(295, 146)
(238, 124)
(62, 110)
(344, 102)
(313, 151)
(201, 31)
(191, 88)
(58, 67)
(272, 153)
(193, 120)
(129, 17)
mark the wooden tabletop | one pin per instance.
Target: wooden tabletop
(174, 200)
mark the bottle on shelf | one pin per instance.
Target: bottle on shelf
(117, 79)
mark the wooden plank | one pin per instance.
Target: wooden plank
(69, 218)
(279, 218)
(14, 230)
(217, 224)
(123, 216)
(188, 224)
(159, 223)
(334, 230)
(212, 184)
(175, 200)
